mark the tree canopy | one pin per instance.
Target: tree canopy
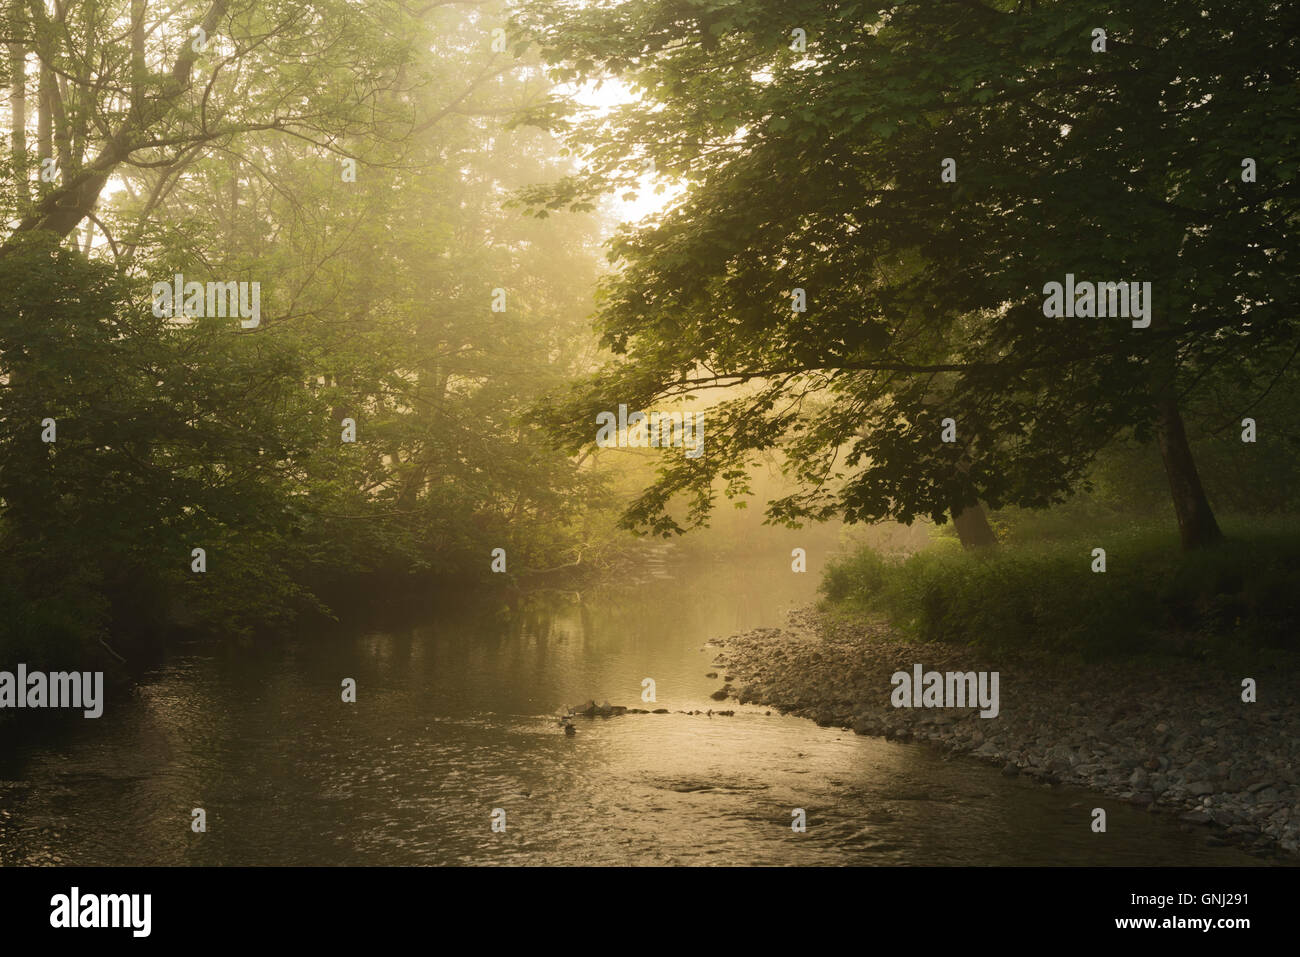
(820, 167)
(352, 160)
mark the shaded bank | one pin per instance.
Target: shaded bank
(1174, 739)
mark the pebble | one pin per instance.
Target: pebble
(1114, 729)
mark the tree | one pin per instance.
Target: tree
(823, 170)
(184, 79)
(383, 279)
(127, 443)
(376, 295)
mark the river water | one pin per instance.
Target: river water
(455, 718)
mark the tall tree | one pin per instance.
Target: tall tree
(185, 78)
(377, 229)
(921, 171)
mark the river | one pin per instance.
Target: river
(454, 718)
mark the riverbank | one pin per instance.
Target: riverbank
(1174, 738)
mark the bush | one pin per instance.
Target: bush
(1241, 595)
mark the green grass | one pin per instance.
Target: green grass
(1237, 600)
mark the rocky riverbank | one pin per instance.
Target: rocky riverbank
(1176, 740)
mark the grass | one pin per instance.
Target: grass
(1239, 600)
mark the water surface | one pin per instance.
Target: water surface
(455, 718)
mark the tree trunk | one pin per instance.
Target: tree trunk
(66, 203)
(139, 72)
(1196, 524)
(18, 106)
(44, 122)
(973, 527)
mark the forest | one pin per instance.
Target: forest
(852, 274)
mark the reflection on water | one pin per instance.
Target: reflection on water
(455, 717)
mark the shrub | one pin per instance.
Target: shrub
(1242, 595)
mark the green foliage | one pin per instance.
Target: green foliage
(822, 171)
(375, 306)
(1238, 597)
(167, 439)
